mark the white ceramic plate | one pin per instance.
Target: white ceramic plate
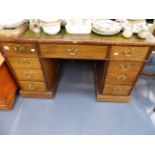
(104, 33)
(106, 27)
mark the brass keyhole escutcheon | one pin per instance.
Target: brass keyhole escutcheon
(32, 86)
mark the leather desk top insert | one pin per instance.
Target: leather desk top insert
(35, 61)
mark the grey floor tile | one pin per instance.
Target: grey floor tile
(75, 111)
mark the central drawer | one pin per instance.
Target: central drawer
(73, 51)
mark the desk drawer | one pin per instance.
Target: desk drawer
(19, 49)
(120, 78)
(128, 52)
(73, 51)
(33, 86)
(116, 90)
(124, 66)
(29, 74)
(30, 63)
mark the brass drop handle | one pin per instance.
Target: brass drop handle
(28, 74)
(72, 51)
(115, 90)
(121, 77)
(129, 53)
(125, 66)
(31, 86)
(19, 48)
(25, 61)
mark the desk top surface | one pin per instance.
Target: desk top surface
(63, 37)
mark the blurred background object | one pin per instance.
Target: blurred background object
(13, 27)
(8, 86)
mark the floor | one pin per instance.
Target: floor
(75, 111)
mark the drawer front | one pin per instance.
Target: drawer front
(33, 86)
(128, 52)
(30, 63)
(124, 66)
(120, 78)
(73, 51)
(116, 90)
(15, 49)
(29, 74)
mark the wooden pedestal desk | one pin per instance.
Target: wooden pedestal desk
(35, 59)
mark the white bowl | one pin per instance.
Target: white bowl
(49, 20)
(51, 29)
(81, 26)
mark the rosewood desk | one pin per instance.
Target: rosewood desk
(35, 59)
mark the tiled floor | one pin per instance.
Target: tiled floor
(75, 111)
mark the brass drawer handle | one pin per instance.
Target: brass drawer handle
(116, 90)
(129, 53)
(28, 74)
(121, 77)
(19, 48)
(32, 86)
(24, 61)
(72, 51)
(125, 66)
(22, 49)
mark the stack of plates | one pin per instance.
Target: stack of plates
(106, 27)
